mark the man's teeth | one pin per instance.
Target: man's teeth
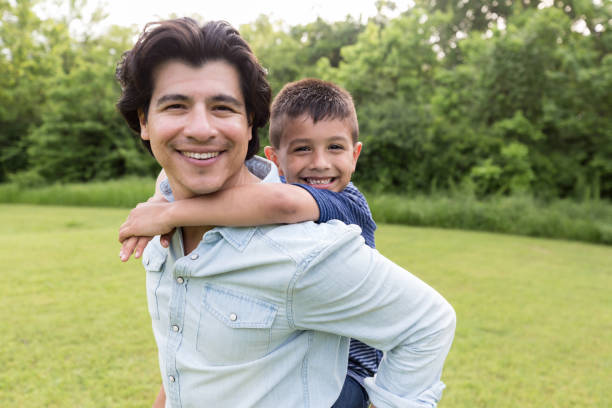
(201, 156)
(318, 181)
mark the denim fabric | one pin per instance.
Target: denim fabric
(261, 317)
(353, 395)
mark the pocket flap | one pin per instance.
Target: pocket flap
(153, 259)
(238, 310)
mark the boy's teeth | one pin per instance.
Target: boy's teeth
(319, 181)
(201, 156)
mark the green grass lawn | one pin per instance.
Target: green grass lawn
(534, 316)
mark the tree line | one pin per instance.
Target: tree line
(492, 97)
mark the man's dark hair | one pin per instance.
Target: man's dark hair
(315, 98)
(183, 39)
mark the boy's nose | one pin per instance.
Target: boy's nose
(320, 161)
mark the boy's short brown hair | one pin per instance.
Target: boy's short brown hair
(318, 99)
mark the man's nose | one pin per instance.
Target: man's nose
(200, 124)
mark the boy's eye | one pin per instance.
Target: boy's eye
(301, 149)
(336, 147)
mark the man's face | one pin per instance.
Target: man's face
(320, 154)
(197, 125)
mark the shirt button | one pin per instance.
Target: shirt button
(171, 378)
(175, 328)
(195, 256)
(180, 279)
(233, 317)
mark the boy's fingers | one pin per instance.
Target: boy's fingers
(124, 232)
(127, 248)
(140, 246)
(165, 238)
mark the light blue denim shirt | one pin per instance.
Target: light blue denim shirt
(261, 317)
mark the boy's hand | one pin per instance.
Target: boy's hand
(136, 245)
(144, 222)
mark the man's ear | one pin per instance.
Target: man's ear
(270, 153)
(144, 133)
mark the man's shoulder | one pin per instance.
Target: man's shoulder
(308, 238)
(309, 231)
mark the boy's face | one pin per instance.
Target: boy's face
(197, 125)
(320, 154)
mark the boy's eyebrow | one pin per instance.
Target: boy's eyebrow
(308, 140)
(297, 141)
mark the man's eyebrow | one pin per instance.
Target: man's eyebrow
(171, 97)
(226, 98)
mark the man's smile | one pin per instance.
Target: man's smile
(200, 156)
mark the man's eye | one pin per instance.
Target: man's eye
(174, 106)
(224, 108)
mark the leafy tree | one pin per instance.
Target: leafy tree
(82, 137)
(321, 39)
(30, 54)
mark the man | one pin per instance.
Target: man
(261, 316)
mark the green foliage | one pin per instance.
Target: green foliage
(26, 63)
(58, 117)
(494, 98)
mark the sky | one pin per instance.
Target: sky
(236, 12)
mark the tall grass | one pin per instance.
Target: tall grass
(589, 221)
(122, 193)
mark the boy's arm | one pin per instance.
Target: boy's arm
(245, 205)
(349, 206)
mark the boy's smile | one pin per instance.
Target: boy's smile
(320, 154)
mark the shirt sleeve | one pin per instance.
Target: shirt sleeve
(166, 190)
(352, 290)
(348, 206)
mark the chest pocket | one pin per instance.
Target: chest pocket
(234, 327)
(153, 261)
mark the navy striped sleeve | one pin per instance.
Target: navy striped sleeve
(348, 206)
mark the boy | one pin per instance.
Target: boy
(313, 132)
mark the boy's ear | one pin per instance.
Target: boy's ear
(271, 155)
(356, 152)
(144, 134)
